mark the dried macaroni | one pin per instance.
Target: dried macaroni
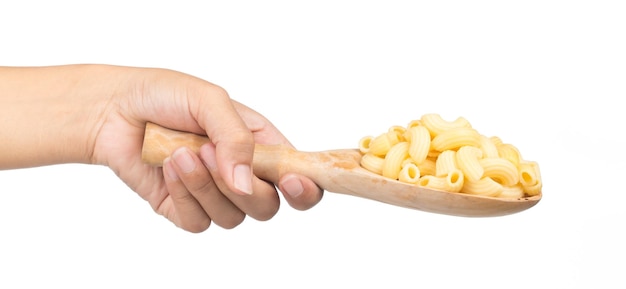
(450, 156)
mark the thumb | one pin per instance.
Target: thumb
(234, 142)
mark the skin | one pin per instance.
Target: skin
(96, 114)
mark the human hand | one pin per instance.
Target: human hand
(195, 190)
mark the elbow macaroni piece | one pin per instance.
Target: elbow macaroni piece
(455, 138)
(450, 156)
(419, 143)
(409, 173)
(445, 163)
(373, 163)
(468, 159)
(394, 159)
(436, 124)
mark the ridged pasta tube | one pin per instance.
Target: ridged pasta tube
(512, 192)
(452, 182)
(483, 187)
(467, 160)
(489, 148)
(445, 163)
(394, 159)
(509, 152)
(455, 138)
(399, 130)
(364, 144)
(437, 125)
(419, 140)
(381, 144)
(372, 163)
(530, 177)
(409, 173)
(500, 170)
(428, 167)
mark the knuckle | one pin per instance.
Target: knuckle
(201, 185)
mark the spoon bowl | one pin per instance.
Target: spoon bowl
(339, 171)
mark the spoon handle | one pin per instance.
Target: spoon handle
(270, 161)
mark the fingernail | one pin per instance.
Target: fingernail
(169, 170)
(182, 158)
(242, 177)
(292, 186)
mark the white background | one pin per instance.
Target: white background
(547, 76)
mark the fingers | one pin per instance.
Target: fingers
(300, 192)
(195, 197)
(262, 205)
(234, 142)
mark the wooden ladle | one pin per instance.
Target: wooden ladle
(339, 171)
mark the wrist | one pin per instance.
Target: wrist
(51, 115)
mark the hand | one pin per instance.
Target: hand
(192, 190)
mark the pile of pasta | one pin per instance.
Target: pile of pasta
(450, 156)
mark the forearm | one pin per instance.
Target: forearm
(49, 115)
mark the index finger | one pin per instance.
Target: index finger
(234, 142)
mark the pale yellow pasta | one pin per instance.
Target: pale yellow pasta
(409, 173)
(530, 177)
(512, 192)
(496, 140)
(489, 148)
(399, 130)
(533, 190)
(445, 163)
(414, 123)
(450, 156)
(428, 167)
(452, 182)
(483, 187)
(455, 138)
(364, 144)
(419, 143)
(455, 180)
(467, 159)
(500, 170)
(437, 125)
(509, 152)
(433, 154)
(372, 163)
(381, 144)
(394, 159)
(408, 161)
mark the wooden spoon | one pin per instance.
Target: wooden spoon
(339, 171)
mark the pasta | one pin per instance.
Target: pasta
(436, 124)
(394, 159)
(381, 144)
(373, 163)
(530, 178)
(445, 163)
(455, 138)
(451, 182)
(450, 156)
(468, 159)
(428, 167)
(500, 170)
(485, 186)
(409, 173)
(419, 140)
(489, 148)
